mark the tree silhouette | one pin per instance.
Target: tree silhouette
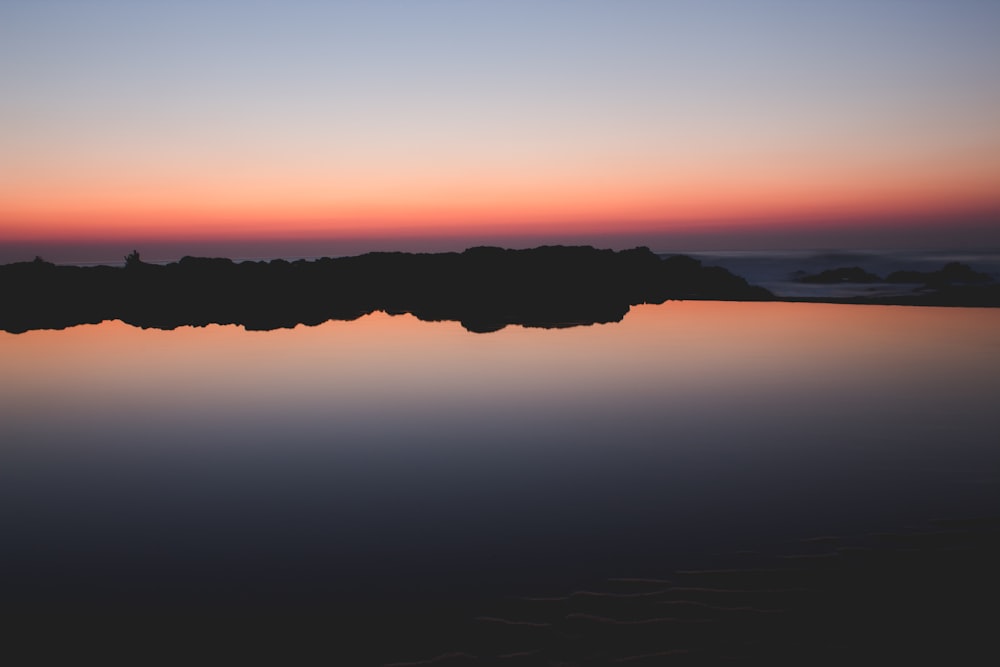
(132, 259)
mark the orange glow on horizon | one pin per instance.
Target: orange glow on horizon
(198, 213)
(137, 196)
(197, 123)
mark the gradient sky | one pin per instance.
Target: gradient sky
(323, 127)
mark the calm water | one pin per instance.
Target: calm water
(388, 461)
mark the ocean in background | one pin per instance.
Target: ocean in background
(777, 270)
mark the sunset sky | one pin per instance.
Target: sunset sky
(300, 127)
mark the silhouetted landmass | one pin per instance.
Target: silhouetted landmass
(952, 274)
(484, 288)
(956, 284)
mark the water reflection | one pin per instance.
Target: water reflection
(391, 459)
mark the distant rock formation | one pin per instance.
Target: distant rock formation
(953, 273)
(956, 284)
(484, 288)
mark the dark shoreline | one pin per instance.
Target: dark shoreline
(484, 288)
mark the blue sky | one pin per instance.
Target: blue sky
(464, 119)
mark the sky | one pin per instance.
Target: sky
(298, 127)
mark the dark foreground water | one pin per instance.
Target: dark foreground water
(367, 476)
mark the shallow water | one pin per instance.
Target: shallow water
(388, 461)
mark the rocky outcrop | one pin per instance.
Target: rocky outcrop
(484, 288)
(956, 284)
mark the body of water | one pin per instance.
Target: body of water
(386, 466)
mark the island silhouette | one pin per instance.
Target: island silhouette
(955, 284)
(483, 288)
